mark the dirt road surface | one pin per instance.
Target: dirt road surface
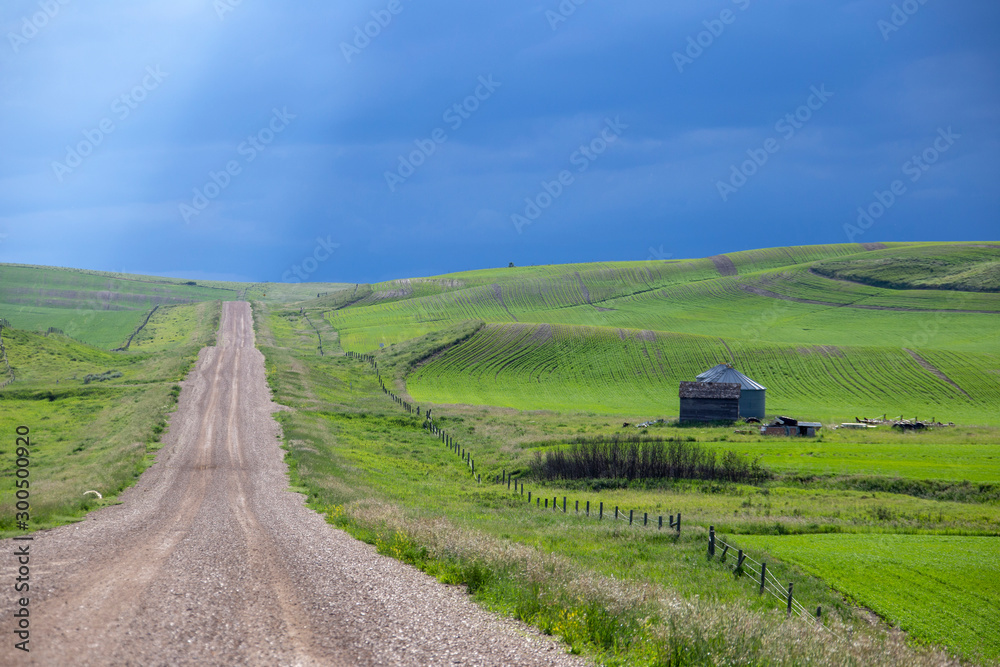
(210, 560)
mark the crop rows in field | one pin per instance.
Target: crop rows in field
(514, 295)
(60, 288)
(938, 588)
(798, 282)
(751, 261)
(976, 374)
(621, 371)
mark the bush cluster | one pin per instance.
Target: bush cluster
(101, 377)
(633, 458)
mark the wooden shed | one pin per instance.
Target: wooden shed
(710, 401)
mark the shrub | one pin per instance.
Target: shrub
(632, 458)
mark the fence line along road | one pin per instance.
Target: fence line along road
(518, 485)
(767, 581)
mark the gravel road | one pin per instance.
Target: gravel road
(209, 560)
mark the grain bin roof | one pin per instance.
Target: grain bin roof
(726, 373)
(710, 390)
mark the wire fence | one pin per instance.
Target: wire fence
(319, 336)
(762, 579)
(718, 549)
(135, 333)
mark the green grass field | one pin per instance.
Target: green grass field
(379, 475)
(617, 371)
(99, 435)
(929, 585)
(959, 267)
(516, 361)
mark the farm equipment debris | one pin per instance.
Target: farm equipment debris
(900, 423)
(789, 426)
(917, 425)
(649, 423)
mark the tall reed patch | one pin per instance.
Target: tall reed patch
(632, 458)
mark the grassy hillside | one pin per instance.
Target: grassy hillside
(618, 337)
(964, 267)
(101, 308)
(375, 472)
(516, 362)
(93, 434)
(620, 371)
(66, 288)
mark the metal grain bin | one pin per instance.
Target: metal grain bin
(752, 394)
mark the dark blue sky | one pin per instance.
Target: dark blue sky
(222, 138)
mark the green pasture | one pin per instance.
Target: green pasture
(617, 371)
(353, 452)
(959, 266)
(938, 588)
(52, 287)
(515, 361)
(98, 436)
(105, 329)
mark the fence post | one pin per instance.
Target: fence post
(601, 515)
(564, 504)
(508, 484)
(763, 577)
(630, 512)
(645, 519)
(711, 541)
(546, 503)
(790, 599)
(529, 496)
(678, 523)
(588, 508)
(739, 564)
(578, 507)
(661, 523)
(819, 611)
(616, 512)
